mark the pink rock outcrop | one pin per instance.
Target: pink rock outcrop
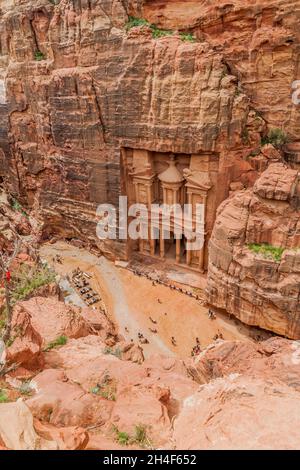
(68, 438)
(52, 319)
(259, 288)
(239, 413)
(26, 347)
(276, 359)
(63, 403)
(234, 395)
(17, 431)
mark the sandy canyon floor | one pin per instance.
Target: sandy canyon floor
(130, 300)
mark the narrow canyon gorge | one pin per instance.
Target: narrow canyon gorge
(150, 224)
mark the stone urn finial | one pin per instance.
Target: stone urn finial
(171, 174)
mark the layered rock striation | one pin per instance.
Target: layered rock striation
(79, 88)
(254, 270)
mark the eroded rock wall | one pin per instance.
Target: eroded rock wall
(97, 89)
(259, 40)
(78, 88)
(258, 288)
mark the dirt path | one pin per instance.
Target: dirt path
(131, 300)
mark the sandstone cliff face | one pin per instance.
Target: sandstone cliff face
(76, 89)
(259, 41)
(258, 288)
(97, 90)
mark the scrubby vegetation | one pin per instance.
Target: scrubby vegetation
(28, 279)
(60, 341)
(16, 206)
(139, 437)
(23, 285)
(115, 352)
(3, 396)
(134, 22)
(25, 388)
(276, 137)
(122, 437)
(245, 136)
(267, 251)
(106, 389)
(187, 37)
(38, 55)
(255, 152)
(157, 32)
(160, 33)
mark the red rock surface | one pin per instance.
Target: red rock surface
(259, 290)
(63, 403)
(76, 89)
(276, 359)
(87, 394)
(53, 319)
(99, 90)
(68, 438)
(258, 40)
(26, 347)
(239, 413)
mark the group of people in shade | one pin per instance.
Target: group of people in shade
(80, 281)
(156, 281)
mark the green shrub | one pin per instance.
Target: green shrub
(267, 251)
(16, 206)
(139, 437)
(122, 437)
(38, 55)
(60, 341)
(160, 33)
(156, 32)
(115, 352)
(255, 152)
(187, 37)
(3, 396)
(106, 389)
(28, 279)
(276, 137)
(134, 22)
(140, 434)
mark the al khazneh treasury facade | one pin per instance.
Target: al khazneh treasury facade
(156, 178)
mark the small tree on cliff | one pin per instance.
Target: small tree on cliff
(5, 264)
